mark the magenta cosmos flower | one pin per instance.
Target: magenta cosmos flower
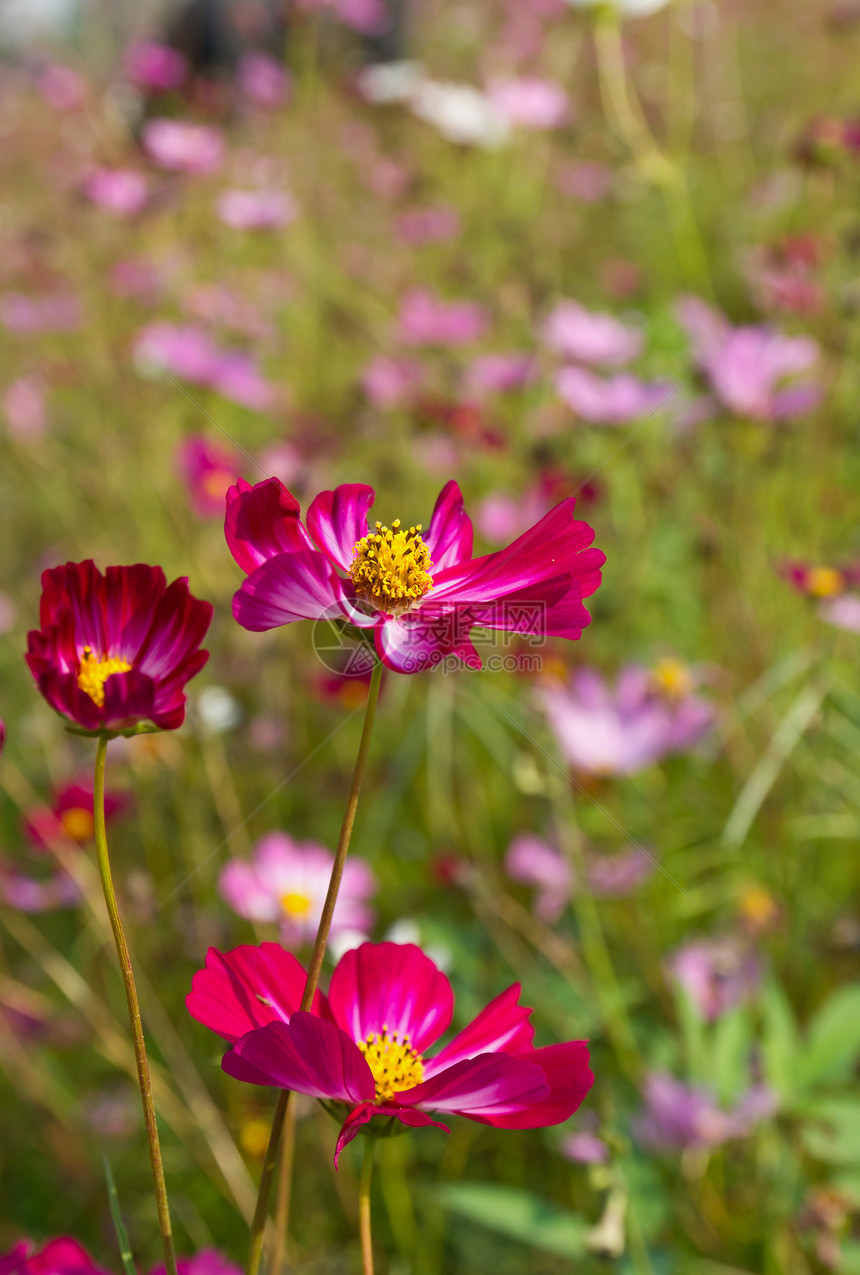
(417, 593)
(62, 1256)
(364, 1045)
(70, 815)
(115, 650)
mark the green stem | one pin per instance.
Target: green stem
(258, 1225)
(133, 1009)
(364, 1207)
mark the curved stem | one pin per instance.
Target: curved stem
(133, 1009)
(314, 969)
(364, 1207)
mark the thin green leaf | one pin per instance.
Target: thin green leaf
(118, 1224)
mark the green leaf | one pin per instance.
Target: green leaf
(781, 1042)
(836, 1139)
(834, 1039)
(118, 1224)
(518, 1214)
(730, 1055)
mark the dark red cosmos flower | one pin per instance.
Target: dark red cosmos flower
(116, 650)
(364, 1045)
(419, 593)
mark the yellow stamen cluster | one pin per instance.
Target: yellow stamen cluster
(391, 567)
(394, 1063)
(77, 823)
(672, 679)
(824, 582)
(295, 904)
(93, 673)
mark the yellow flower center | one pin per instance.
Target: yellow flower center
(295, 904)
(672, 678)
(77, 823)
(824, 582)
(394, 1064)
(391, 567)
(93, 673)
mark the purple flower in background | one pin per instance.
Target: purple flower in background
(24, 409)
(427, 320)
(38, 894)
(262, 80)
(576, 333)
(256, 209)
(747, 367)
(390, 382)
(585, 1148)
(616, 875)
(122, 191)
(531, 861)
(418, 226)
(189, 352)
(678, 1116)
(183, 147)
(588, 181)
(57, 312)
(622, 730)
(286, 882)
(136, 277)
(62, 88)
(716, 974)
(499, 373)
(616, 400)
(154, 66)
(370, 17)
(530, 102)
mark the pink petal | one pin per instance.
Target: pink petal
(489, 1085)
(293, 586)
(261, 522)
(337, 519)
(414, 644)
(247, 988)
(393, 987)
(449, 536)
(308, 1055)
(568, 1077)
(367, 1110)
(501, 1027)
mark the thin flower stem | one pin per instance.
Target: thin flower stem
(285, 1182)
(258, 1225)
(133, 1009)
(364, 1207)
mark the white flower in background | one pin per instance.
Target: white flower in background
(627, 8)
(390, 81)
(217, 710)
(462, 113)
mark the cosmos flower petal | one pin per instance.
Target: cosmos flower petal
(128, 697)
(246, 988)
(449, 536)
(481, 1087)
(261, 522)
(337, 519)
(293, 586)
(568, 1077)
(501, 1027)
(366, 1111)
(393, 987)
(308, 1055)
(415, 642)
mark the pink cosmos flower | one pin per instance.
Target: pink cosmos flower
(831, 586)
(154, 66)
(206, 469)
(369, 17)
(256, 209)
(716, 974)
(418, 226)
(427, 320)
(189, 352)
(122, 191)
(286, 883)
(747, 366)
(613, 401)
(364, 1045)
(678, 1116)
(417, 595)
(588, 181)
(24, 408)
(585, 1148)
(116, 650)
(183, 147)
(532, 862)
(619, 874)
(262, 80)
(576, 333)
(842, 613)
(38, 894)
(136, 277)
(207, 1262)
(499, 373)
(59, 312)
(70, 815)
(62, 1256)
(620, 731)
(530, 102)
(391, 382)
(62, 88)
